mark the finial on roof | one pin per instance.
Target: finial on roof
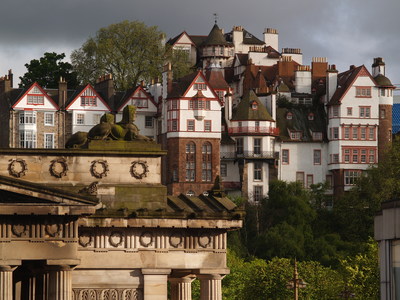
(215, 17)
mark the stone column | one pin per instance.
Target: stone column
(6, 282)
(210, 286)
(181, 288)
(155, 284)
(60, 282)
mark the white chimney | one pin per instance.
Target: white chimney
(271, 38)
(303, 79)
(331, 81)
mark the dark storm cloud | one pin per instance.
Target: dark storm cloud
(346, 32)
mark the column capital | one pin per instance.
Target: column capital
(4, 268)
(62, 262)
(210, 276)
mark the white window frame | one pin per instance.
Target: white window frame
(45, 142)
(80, 119)
(23, 139)
(46, 114)
(27, 117)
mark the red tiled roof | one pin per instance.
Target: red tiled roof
(216, 79)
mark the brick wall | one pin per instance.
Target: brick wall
(176, 162)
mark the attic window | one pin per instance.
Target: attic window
(200, 86)
(248, 36)
(289, 116)
(310, 116)
(317, 136)
(254, 105)
(295, 135)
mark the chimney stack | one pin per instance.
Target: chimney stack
(105, 85)
(271, 38)
(378, 67)
(62, 92)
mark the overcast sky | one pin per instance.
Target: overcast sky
(347, 32)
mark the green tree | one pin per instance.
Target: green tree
(47, 71)
(179, 59)
(360, 205)
(361, 272)
(130, 51)
(286, 221)
(260, 279)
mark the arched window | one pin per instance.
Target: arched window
(206, 168)
(190, 161)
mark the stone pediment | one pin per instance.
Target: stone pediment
(23, 197)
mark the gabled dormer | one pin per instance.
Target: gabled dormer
(34, 98)
(139, 98)
(86, 98)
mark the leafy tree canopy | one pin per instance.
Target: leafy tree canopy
(130, 51)
(47, 71)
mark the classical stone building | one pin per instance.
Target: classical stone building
(94, 222)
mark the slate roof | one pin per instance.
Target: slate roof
(198, 39)
(215, 38)
(204, 207)
(172, 41)
(74, 94)
(301, 122)
(248, 38)
(383, 81)
(243, 58)
(345, 80)
(396, 118)
(181, 85)
(244, 109)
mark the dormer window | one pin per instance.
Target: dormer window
(289, 116)
(310, 116)
(254, 105)
(295, 135)
(317, 136)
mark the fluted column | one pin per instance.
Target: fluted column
(181, 288)
(60, 282)
(6, 282)
(210, 287)
(155, 284)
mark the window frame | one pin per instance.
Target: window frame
(285, 158)
(148, 124)
(80, 119)
(257, 171)
(317, 159)
(46, 114)
(45, 141)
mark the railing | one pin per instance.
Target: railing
(254, 130)
(250, 154)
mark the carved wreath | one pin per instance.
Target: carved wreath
(59, 162)
(99, 168)
(17, 167)
(53, 229)
(116, 239)
(85, 238)
(136, 172)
